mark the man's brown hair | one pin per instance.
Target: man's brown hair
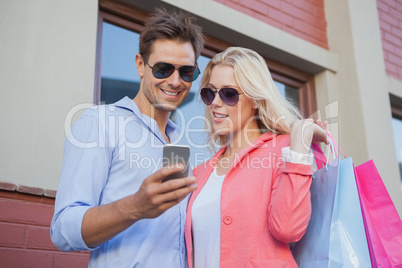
(172, 25)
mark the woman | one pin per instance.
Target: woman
(253, 196)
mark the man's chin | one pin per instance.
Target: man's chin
(168, 107)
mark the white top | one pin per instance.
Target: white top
(206, 228)
(206, 214)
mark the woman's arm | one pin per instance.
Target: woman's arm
(290, 206)
(305, 132)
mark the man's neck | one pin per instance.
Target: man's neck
(160, 116)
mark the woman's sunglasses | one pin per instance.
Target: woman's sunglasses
(228, 95)
(162, 70)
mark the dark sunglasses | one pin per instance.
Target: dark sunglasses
(228, 95)
(162, 70)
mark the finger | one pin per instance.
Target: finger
(165, 206)
(320, 135)
(175, 184)
(177, 194)
(309, 122)
(320, 123)
(326, 126)
(326, 141)
(162, 173)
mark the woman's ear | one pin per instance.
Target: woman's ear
(255, 107)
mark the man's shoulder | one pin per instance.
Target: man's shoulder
(106, 116)
(119, 108)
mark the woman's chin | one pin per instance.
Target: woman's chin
(222, 132)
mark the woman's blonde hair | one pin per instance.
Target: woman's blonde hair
(274, 113)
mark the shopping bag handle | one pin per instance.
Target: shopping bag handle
(333, 142)
(319, 156)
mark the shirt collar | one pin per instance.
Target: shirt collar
(172, 130)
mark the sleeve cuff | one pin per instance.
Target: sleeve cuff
(71, 227)
(297, 158)
(292, 168)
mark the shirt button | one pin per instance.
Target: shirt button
(227, 220)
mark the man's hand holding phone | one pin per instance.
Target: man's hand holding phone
(166, 187)
(155, 196)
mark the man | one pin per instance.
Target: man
(111, 198)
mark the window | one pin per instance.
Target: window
(118, 37)
(119, 76)
(288, 92)
(396, 108)
(397, 126)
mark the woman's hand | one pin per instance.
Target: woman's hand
(305, 132)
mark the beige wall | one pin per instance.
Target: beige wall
(365, 127)
(47, 60)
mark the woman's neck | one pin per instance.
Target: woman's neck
(241, 139)
(238, 141)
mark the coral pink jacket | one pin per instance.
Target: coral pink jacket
(265, 204)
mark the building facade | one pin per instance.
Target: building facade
(338, 60)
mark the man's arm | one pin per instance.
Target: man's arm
(78, 220)
(102, 223)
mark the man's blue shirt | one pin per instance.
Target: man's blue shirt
(108, 153)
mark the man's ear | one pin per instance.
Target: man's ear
(139, 61)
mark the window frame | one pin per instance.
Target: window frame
(396, 112)
(396, 106)
(133, 19)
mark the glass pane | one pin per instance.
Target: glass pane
(397, 126)
(290, 93)
(119, 78)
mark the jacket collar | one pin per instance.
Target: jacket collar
(210, 165)
(259, 142)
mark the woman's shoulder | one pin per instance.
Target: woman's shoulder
(274, 141)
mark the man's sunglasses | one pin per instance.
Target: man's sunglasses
(162, 70)
(228, 95)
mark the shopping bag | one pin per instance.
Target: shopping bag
(382, 222)
(335, 236)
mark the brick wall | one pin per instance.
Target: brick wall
(25, 233)
(302, 18)
(390, 17)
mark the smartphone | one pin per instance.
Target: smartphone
(176, 154)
